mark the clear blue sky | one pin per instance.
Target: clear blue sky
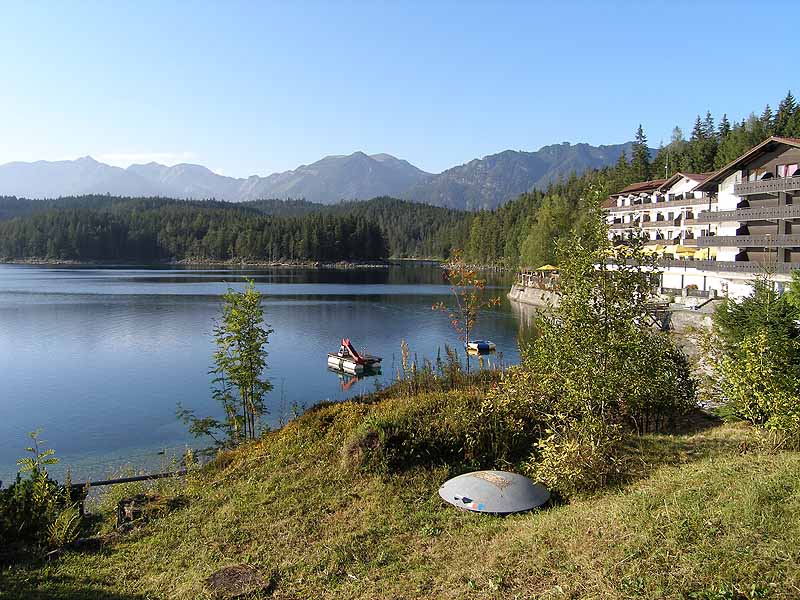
(256, 87)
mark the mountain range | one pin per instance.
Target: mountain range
(484, 183)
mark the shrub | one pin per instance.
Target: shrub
(760, 383)
(64, 528)
(596, 366)
(577, 456)
(754, 349)
(30, 508)
(764, 310)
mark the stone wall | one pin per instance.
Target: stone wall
(533, 296)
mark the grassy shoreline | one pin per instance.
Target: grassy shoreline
(709, 510)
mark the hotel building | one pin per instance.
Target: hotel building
(716, 232)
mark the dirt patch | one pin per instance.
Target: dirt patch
(237, 581)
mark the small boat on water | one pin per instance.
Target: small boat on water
(481, 346)
(349, 360)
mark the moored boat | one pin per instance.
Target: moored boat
(481, 346)
(349, 360)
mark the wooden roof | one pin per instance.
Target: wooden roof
(698, 177)
(766, 146)
(641, 186)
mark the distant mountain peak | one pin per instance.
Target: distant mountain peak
(491, 181)
(484, 182)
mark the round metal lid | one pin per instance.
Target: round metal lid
(496, 492)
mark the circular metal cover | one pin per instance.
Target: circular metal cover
(496, 492)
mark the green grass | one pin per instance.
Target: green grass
(709, 515)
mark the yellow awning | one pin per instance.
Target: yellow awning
(547, 268)
(706, 253)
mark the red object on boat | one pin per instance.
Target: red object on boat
(353, 353)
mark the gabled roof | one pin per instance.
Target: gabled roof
(767, 145)
(696, 177)
(642, 186)
(610, 202)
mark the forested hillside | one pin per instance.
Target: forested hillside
(524, 231)
(151, 229)
(157, 229)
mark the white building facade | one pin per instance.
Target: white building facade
(716, 232)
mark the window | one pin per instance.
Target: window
(786, 170)
(756, 174)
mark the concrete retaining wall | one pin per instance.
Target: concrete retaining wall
(533, 296)
(683, 319)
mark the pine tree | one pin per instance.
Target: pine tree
(708, 126)
(698, 131)
(724, 128)
(640, 157)
(787, 109)
(768, 120)
(702, 146)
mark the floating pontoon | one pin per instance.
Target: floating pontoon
(481, 346)
(349, 360)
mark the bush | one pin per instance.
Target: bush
(754, 349)
(760, 383)
(31, 508)
(577, 456)
(596, 368)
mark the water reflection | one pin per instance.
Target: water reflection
(99, 358)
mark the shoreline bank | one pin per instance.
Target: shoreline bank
(211, 263)
(682, 319)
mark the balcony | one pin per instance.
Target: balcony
(750, 241)
(770, 213)
(723, 266)
(679, 201)
(767, 186)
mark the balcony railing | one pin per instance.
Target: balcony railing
(768, 213)
(663, 205)
(767, 186)
(750, 241)
(725, 266)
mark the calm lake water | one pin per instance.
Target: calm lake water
(98, 358)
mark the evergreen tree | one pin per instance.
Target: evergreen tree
(708, 126)
(640, 157)
(702, 146)
(768, 121)
(724, 128)
(787, 110)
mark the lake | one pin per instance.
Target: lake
(99, 358)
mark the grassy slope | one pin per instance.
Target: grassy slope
(701, 512)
